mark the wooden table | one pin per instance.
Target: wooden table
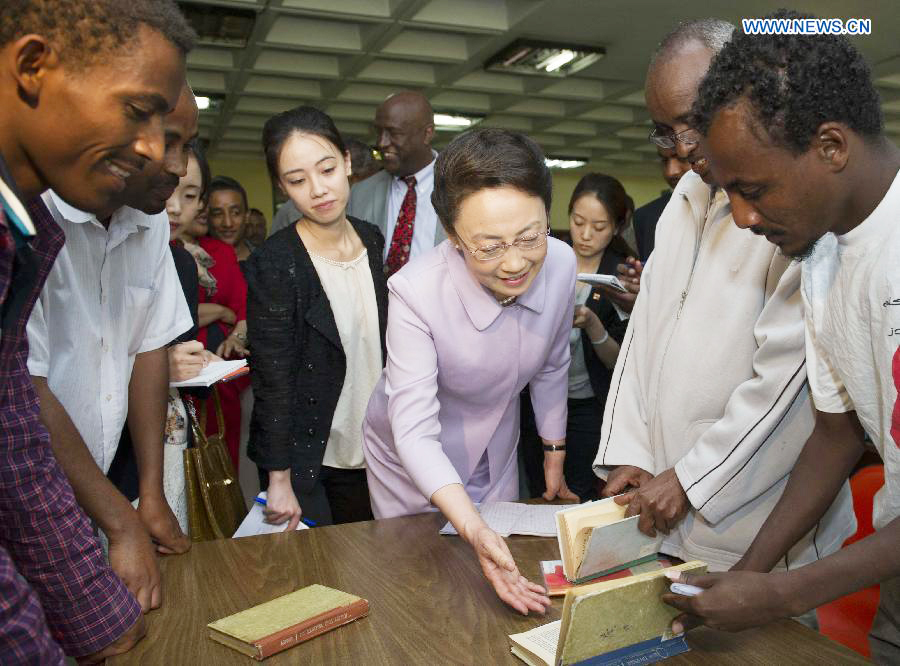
(429, 602)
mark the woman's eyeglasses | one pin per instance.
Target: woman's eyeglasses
(496, 250)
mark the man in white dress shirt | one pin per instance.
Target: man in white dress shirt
(98, 337)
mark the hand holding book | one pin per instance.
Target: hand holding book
(660, 502)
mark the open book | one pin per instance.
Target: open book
(595, 539)
(215, 372)
(615, 622)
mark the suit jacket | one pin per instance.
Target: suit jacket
(446, 409)
(645, 219)
(298, 360)
(601, 306)
(368, 201)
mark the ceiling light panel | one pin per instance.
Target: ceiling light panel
(538, 58)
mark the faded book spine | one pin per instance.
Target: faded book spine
(314, 626)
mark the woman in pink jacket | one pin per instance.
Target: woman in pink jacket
(469, 325)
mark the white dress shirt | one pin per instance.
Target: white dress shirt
(112, 294)
(426, 223)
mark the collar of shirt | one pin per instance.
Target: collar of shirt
(879, 221)
(123, 223)
(424, 178)
(481, 306)
(12, 203)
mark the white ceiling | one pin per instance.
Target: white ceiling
(346, 56)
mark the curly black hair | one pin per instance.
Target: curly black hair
(794, 83)
(86, 30)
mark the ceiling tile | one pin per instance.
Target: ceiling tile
(293, 63)
(610, 114)
(574, 88)
(207, 81)
(365, 92)
(315, 34)
(461, 101)
(212, 58)
(538, 107)
(478, 14)
(578, 127)
(281, 87)
(517, 123)
(264, 105)
(399, 71)
(351, 112)
(437, 46)
(359, 8)
(490, 82)
(602, 142)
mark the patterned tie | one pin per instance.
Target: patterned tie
(401, 241)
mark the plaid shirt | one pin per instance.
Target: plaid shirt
(44, 535)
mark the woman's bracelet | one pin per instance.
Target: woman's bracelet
(601, 340)
(240, 338)
(554, 447)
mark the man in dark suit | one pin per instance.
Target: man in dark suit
(646, 217)
(398, 199)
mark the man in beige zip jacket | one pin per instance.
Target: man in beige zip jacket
(709, 407)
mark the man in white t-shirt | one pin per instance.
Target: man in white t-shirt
(801, 152)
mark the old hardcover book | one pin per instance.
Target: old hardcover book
(595, 539)
(612, 623)
(276, 625)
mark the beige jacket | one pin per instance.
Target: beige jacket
(711, 380)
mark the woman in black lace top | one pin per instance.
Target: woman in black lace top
(316, 314)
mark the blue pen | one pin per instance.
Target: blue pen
(305, 521)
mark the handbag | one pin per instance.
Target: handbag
(214, 498)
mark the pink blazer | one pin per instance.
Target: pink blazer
(446, 409)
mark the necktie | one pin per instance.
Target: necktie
(401, 241)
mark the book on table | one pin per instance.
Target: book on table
(288, 620)
(611, 623)
(596, 539)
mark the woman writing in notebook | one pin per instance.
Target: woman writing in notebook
(471, 323)
(317, 310)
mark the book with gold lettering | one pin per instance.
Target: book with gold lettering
(613, 623)
(276, 625)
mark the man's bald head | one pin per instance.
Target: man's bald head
(676, 70)
(404, 128)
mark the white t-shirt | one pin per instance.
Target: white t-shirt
(851, 293)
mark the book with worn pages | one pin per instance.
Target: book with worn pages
(276, 625)
(595, 539)
(613, 623)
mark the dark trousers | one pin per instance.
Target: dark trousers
(582, 442)
(339, 496)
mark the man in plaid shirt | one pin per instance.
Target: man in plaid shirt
(84, 87)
